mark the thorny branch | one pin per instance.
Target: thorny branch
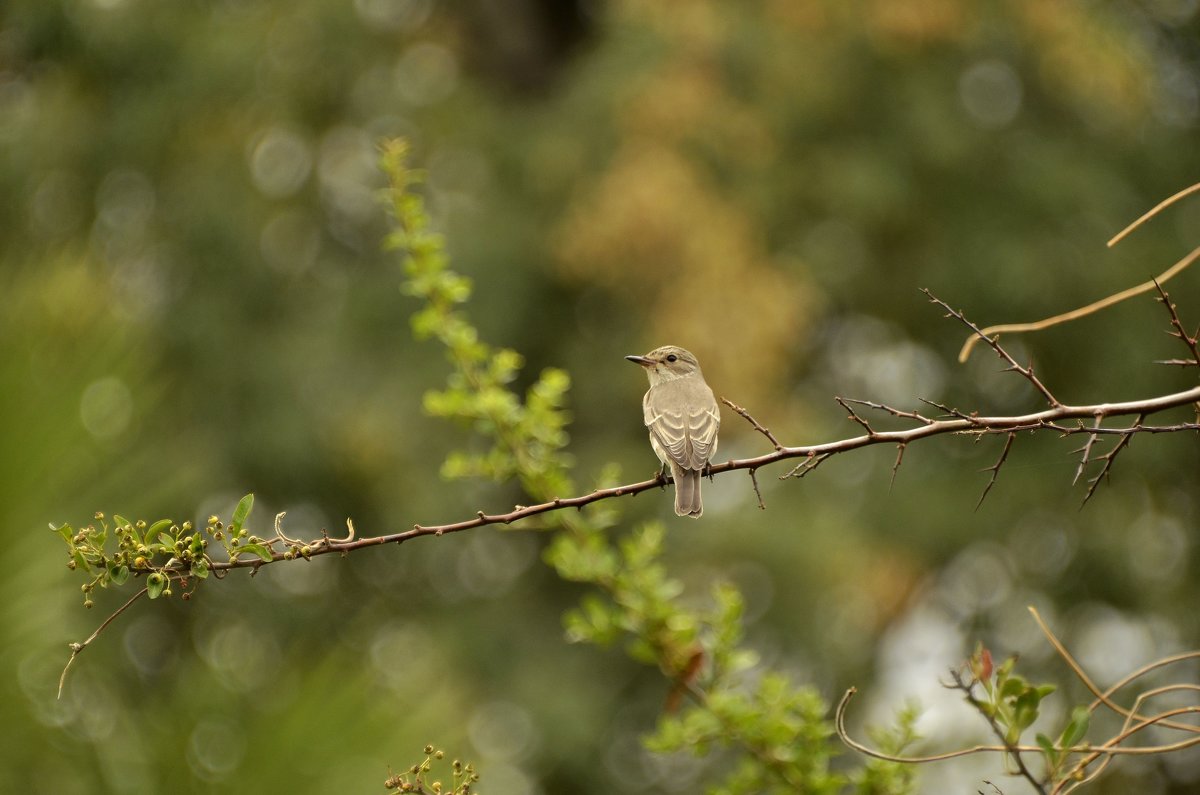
(1109, 457)
(1179, 331)
(995, 468)
(1045, 420)
(994, 344)
(1057, 418)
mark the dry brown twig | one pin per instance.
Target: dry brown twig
(1092, 757)
(1103, 303)
(1179, 331)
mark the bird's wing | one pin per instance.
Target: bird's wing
(683, 418)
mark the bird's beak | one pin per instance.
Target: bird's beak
(642, 360)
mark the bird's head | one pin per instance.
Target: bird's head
(667, 363)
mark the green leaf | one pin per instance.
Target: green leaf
(118, 574)
(121, 522)
(669, 736)
(200, 569)
(1013, 687)
(1048, 748)
(155, 584)
(155, 529)
(65, 531)
(1077, 728)
(742, 659)
(259, 549)
(241, 512)
(1026, 710)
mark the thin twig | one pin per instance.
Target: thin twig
(855, 416)
(896, 466)
(810, 463)
(1177, 324)
(948, 411)
(1145, 750)
(1075, 314)
(1085, 452)
(754, 480)
(995, 468)
(1026, 372)
(839, 721)
(757, 426)
(76, 648)
(908, 415)
(1108, 459)
(1162, 205)
(1105, 696)
(1097, 755)
(1013, 328)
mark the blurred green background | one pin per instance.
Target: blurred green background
(194, 305)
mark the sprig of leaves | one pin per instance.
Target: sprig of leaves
(110, 551)
(1012, 704)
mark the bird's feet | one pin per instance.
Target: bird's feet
(660, 477)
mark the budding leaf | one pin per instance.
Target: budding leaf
(155, 529)
(241, 512)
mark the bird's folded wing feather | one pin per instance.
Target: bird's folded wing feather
(688, 434)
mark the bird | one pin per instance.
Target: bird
(683, 419)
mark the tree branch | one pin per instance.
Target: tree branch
(1049, 419)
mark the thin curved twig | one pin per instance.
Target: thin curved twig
(1144, 287)
(76, 648)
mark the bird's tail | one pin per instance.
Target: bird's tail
(687, 492)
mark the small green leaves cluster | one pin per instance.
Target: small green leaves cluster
(421, 779)
(1057, 752)
(1010, 701)
(640, 603)
(1012, 704)
(778, 729)
(528, 433)
(882, 776)
(110, 551)
(780, 725)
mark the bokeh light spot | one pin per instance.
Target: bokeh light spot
(215, 749)
(502, 730)
(991, 93)
(427, 73)
(106, 407)
(280, 162)
(393, 14)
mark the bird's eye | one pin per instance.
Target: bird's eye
(672, 358)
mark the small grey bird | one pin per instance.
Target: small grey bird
(683, 418)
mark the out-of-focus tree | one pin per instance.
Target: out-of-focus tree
(197, 307)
